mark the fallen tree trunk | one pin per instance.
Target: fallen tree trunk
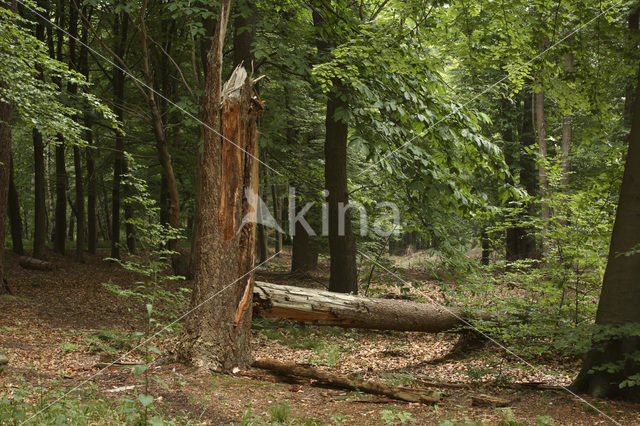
(320, 307)
(348, 382)
(33, 263)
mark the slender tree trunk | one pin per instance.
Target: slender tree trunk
(72, 219)
(5, 164)
(304, 257)
(244, 33)
(105, 208)
(567, 129)
(92, 208)
(541, 139)
(129, 228)
(92, 212)
(342, 248)
(343, 272)
(121, 28)
(277, 211)
(217, 334)
(262, 244)
(77, 157)
(40, 209)
(15, 218)
(160, 135)
(620, 296)
(60, 234)
(39, 194)
(520, 244)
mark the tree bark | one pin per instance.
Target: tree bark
(39, 200)
(60, 234)
(5, 163)
(160, 135)
(33, 263)
(15, 218)
(620, 295)
(129, 228)
(277, 212)
(77, 157)
(349, 382)
(217, 334)
(90, 162)
(121, 27)
(243, 34)
(520, 244)
(262, 244)
(319, 307)
(567, 129)
(343, 276)
(541, 139)
(304, 257)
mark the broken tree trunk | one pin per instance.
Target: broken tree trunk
(320, 307)
(33, 263)
(348, 382)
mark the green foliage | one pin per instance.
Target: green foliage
(391, 416)
(35, 99)
(25, 401)
(280, 412)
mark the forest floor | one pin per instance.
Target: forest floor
(58, 326)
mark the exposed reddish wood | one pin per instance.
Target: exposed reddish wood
(348, 382)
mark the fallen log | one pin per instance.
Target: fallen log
(348, 382)
(32, 263)
(320, 307)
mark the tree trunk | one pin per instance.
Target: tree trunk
(15, 218)
(262, 244)
(77, 157)
(343, 276)
(121, 27)
(520, 244)
(567, 129)
(32, 263)
(5, 163)
(129, 228)
(319, 307)
(60, 234)
(160, 135)
(243, 34)
(39, 194)
(304, 257)
(541, 139)
(217, 334)
(92, 208)
(277, 211)
(620, 295)
(349, 382)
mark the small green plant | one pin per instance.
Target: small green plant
(152, 265)
(392, 415)
(507, 417)
(68, 347)
(280, 412)
(112, 341)
(545, 421)
(338, 419)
